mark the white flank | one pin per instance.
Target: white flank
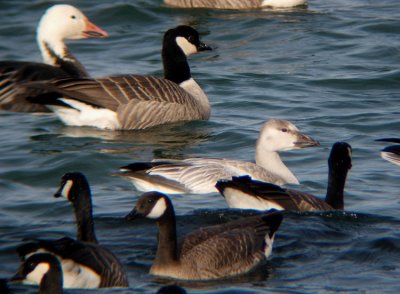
(283, 3)
(196, 92)
(85, 115)
(145, 186)
(268, 245)
(35, 276)
(158, 209)
(67, 187)
(187, 47)
(238, 199)
(79, 276)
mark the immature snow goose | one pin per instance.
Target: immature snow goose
(199, 175)
(44, 267)
(127, 102)
(391, 153)
(235, 4)
(60, 22)
(245, 193)
(213, 252)
(85, 264)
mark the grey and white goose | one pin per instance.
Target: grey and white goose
(235, 4)
(44, 267)
(245, 193)
(213, 252)
(60, 22)
(85, 263)
(127, 102)
(199, 175)
(391, 153)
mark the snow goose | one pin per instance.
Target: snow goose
(213, 252)
(245, 193)
(85, 264)
(199, 175)
(60, 22)
(127, 102)
(44, 267)
(235, 4)
(391, 153)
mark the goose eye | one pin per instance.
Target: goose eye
(73, 16)
(150, 201)
(284, 130)
(191, 39)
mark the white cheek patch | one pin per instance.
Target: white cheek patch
(67, 187)
(158, 209)
(35, 276)
(268, 245)
(187, 47)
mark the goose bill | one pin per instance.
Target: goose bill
(304, 141)
(93, 31)
(203, 47)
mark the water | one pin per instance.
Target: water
(332, 69)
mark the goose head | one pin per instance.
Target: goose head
(340, 157)
(280, 135)
(187, 39)
(71, 187)
(36, 267)
(153, 205)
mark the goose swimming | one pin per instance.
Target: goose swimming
(245, 193)
(60, 22)
(213, 252)
(199, 175)
(127, 102)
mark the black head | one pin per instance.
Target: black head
(71, 186)
(340, 157)
(187, 38)
(36, 266)
(151, 205)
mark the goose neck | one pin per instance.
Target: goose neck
(84, 217)
(335, 190)
(167, 240)
(176, 67)
(52, 281)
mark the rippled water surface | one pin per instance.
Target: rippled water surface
(331, 68)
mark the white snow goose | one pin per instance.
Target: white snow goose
(199, 175)
(127, 102)
(59, 22)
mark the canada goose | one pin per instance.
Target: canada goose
(44, 267)
(245, 193)
(199, 175)
(60, 22)
(391, 153)
(210, 252)
(85, 263)
(235, 4)
(128, 102)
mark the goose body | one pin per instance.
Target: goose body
(235, 4)
(391, 153)
(245, 193)
(199, 175)
(85, 263)
(44, 267)
(213, 252)
(127, 102)
(60, 22)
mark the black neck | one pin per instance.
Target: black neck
(335, 190)
(52, 281)
(84, 216)
(167, 247)
(71, 65)
(176, 67)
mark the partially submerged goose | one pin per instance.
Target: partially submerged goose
(245, 193)
(85, 264)
(210, 252)
(127, 102)
(235, 4)
(391, 153)
(199, 175)
(60, 22)
(44, 267)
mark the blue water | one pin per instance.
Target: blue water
(331, 68)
